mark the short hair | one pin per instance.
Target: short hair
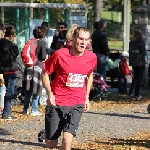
(95, 25)
(62, 23)
(71, 31)
(39, 32)
(101, 23)
(10, 30)
(46, 26)
(4, 26)
(137, 33)
(76, 31)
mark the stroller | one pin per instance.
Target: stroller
(18, 96)
(99, 90)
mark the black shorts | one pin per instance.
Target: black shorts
(62, 118)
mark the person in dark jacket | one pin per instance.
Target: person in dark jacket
(137, 54)
(100, 47)
(61, 26)
(32, 82)
(8, 67)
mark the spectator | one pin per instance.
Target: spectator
(46, 27)
(68, 95)
(137, 54)
(61, 26)
(100, 47)
(123, 72)
(8, 53)
(32, 83)
(61, 39)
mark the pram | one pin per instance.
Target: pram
(113, 68)
(18, 96)
(99, 90)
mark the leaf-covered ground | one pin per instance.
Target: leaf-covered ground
(138, 141)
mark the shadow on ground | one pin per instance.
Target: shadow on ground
(128, 142)
(22, 142)
(120, 115)
(4, 132)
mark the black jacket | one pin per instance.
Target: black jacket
(8, 55)
(137, 52)
(54, 42)
(100, 42)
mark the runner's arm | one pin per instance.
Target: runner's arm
(88, 88)
(89, 84)
(46, 84)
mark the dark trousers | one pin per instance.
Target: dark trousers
(136, 80)
(122, 84)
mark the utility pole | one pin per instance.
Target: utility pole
(128, 23)
(31, 10)
(127, 10)
(125, 27)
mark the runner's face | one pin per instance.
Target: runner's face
(81, 40)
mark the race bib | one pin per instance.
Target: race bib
(75, 80)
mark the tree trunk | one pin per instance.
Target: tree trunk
(98, 9)
(2, 13)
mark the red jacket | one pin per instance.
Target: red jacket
(123, 68)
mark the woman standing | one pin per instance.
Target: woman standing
(137, 54)
(32, 83)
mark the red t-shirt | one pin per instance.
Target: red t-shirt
(69, 85)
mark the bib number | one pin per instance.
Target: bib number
(75, 80)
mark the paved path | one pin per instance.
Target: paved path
(120, 121)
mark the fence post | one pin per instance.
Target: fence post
(66, 12)
(18, 27)
(47, 15)
(26, 24)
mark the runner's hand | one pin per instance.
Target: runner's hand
(87, 105)
(51, 100)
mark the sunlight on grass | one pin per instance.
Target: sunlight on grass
(115, 45)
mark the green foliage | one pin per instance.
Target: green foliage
(117, 5)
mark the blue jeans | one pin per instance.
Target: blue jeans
(2, 94)
(10, 81)
(102, 61)
(27, 98)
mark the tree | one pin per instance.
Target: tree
(98, 9)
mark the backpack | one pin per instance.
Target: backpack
(28, 53)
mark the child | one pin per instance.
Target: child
(123, 72)
(99, 81)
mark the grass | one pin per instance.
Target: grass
(115, 44)
(114, 16)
